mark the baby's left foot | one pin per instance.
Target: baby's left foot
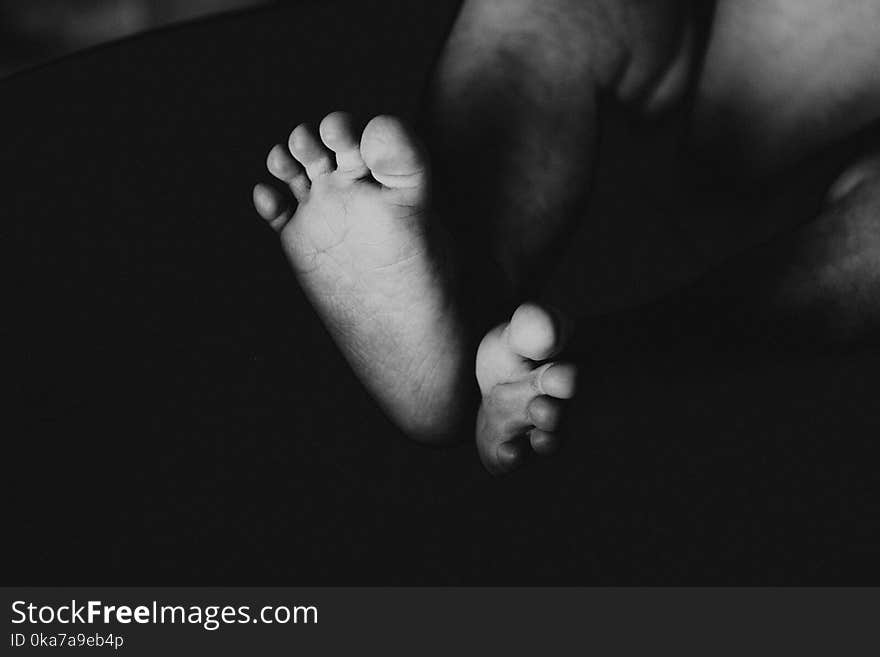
(358, 239)
(524, 392)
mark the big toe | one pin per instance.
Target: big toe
(393, 154)
(534, 332)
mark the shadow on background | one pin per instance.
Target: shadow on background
(36, 31)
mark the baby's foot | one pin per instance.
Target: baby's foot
(523, 390)
(357, 240)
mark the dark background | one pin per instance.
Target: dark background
(179, 415)
(35, 31)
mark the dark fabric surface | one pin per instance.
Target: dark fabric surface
(179, 415)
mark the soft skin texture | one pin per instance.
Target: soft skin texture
(513, 118)
(373, 253)
(356, 238)
(524, 390)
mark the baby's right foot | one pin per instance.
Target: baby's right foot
(524, 392)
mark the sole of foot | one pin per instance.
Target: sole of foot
(353, 221)
(523, 390)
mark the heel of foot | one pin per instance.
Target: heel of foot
(362, 255)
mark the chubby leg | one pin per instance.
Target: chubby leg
(514, 115)
(783, 78)
(782, 82)
(814, 287)
(513, 123)
(822, 281)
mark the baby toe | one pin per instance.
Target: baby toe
(532, 332)
(310, 152)
(338, 134)
(281, 164)
(545, 413)
(271, 206)
(556, 380)
(544, 443)
(394, 155)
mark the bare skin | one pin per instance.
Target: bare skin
(524, 390)
(779, 82)
(783, 78)
(819, 282)
(356, 237)
(515, 110)
(388, 291)
(782, 82)
(514, 117)
(811, 288)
